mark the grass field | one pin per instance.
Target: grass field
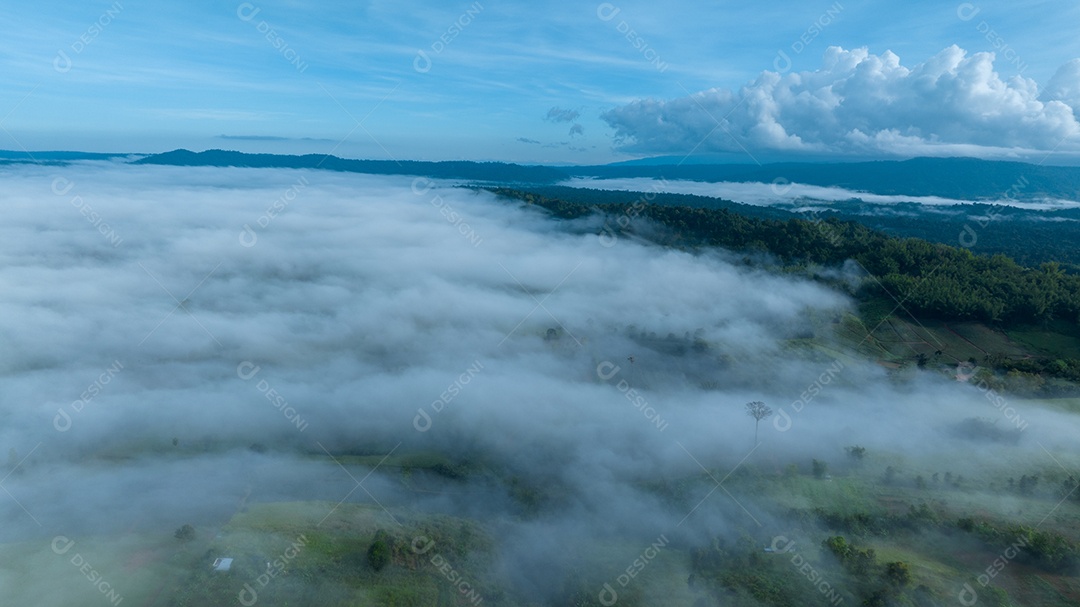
(890, 335)
(1058, 339)
(316, 553)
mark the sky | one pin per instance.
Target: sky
(549, 82)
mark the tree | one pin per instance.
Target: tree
(890, 475)
(838, 546)
(378, 555)
(820, 468)
(185, 533)
(862, 562)
(759, 411)
(897, 573)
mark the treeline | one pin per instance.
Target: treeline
(1027, 236)
(742, 573)
(1067, 368)
(932, 280)
(1039, 377)
(1046, 550)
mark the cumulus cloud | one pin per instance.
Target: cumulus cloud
(1064, 86)
(859, 103)
(576, 130)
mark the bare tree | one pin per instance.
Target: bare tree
(759, 411)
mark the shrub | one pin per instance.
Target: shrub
(378, 555)
(820, 468)
(185, 533)
(898, 573)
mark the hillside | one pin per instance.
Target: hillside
(479, 171)
(898, 281)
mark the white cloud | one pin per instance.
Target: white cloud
(558, 114)
(1065, 84)
(859, 103)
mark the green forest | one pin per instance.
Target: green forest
(898, 276)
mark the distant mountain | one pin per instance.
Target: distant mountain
(962, 178)
(17, 156)
(498, 172)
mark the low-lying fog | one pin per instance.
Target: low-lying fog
(769, 194)
(264, 318)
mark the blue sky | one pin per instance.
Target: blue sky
(552, 82)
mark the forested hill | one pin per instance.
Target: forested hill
(935, 280)
(53, 157)
(961, 178)
(1030, 237)
(451, 169)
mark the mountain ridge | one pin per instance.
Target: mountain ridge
(961, 177)
(448, 169)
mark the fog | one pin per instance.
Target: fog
(768, 194)
(272, 321)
